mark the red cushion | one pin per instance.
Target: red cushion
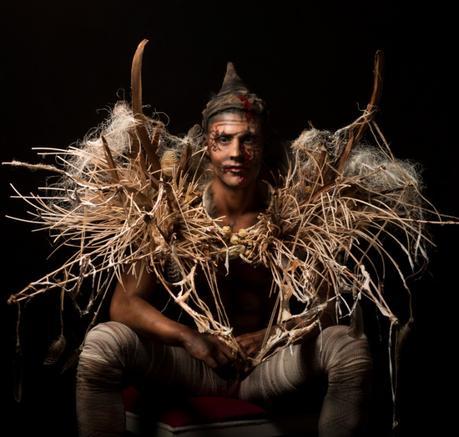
(208, 409)
(131, 399)
(198, 409)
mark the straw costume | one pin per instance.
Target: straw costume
(134, 197)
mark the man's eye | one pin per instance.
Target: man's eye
(223, 139)
(249, 141)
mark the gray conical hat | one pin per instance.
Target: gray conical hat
(233, 94)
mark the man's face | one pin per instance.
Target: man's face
(235, 148)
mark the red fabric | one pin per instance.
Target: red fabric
(208, 409)
(199, 409)
(131, 399)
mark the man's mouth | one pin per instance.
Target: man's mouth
(236, 169)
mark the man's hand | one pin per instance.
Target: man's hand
(208, 348)
(251, 342)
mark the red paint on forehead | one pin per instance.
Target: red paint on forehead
(247, 107)
(246, 102)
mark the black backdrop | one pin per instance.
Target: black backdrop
(63, 64)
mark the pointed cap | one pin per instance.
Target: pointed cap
(232, 82)
(233, 94)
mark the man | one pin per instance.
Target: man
(142, 342)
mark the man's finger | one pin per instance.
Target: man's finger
(243, 338)
(210, 361)
(222, 358)
(228, 352)
(243, 353)
(225, 349)
(247, 343)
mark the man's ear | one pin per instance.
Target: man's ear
(207, 142)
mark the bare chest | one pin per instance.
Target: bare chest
(245, 296)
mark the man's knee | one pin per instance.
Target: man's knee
(347, 362)
(344, 356)
(107, 350)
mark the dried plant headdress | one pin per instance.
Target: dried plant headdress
(233, 94)
(130, 197)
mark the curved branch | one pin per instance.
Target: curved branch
(136, 93)
(370, 110)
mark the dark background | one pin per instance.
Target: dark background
(64, 64)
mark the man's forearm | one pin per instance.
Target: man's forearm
(144, 318)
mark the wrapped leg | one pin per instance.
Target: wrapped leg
(109, 349)
(114, 355)
(346, 362)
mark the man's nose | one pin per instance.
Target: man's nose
(235, 148)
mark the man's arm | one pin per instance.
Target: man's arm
(130, 305)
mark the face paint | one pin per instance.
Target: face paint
(235, 149)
